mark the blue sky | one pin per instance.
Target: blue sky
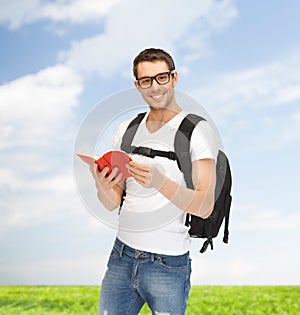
(59, 59)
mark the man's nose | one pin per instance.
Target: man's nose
(155, 85)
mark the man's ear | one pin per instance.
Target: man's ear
(175, 78)
(136, 84)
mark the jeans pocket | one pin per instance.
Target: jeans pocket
(113, 254)
(174, 262)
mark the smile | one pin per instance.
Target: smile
(157, 96)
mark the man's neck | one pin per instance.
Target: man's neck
(157, 118)
(163, 115)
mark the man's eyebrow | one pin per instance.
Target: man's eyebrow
(149, 76)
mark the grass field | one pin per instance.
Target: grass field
(204, 300)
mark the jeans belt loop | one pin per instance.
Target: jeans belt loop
(152, 257)
(121, 250)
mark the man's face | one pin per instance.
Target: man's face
(156, 96)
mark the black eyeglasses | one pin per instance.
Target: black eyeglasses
(160, 78)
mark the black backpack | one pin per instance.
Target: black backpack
(199, 228)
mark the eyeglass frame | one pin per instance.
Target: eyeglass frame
(154, 78)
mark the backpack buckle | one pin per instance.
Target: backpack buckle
(145, 151)
(173, 156)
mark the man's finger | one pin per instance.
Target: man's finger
(113, 173)
(138, 165)
(118, 178)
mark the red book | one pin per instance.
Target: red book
(110, 159)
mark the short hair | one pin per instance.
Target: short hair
(152, 55)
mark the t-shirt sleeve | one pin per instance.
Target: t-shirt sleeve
(203, 142)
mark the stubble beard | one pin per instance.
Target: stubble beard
(167, 101)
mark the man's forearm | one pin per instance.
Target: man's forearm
(198, 202)
(110, 199)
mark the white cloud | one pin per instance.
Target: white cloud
(16, 180)
(14, 13)
(76, 11)
(257, 106)
(274, 84)
(36, 107)
(33, 196)
(36, 117)
(172, 25)
(257, 217)
(42, 199)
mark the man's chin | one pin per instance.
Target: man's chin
(158, 105)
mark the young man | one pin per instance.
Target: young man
(152, 265)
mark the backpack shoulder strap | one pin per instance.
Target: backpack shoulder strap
(130, 132)
(182, 146)
(128, 136)
(127, 141)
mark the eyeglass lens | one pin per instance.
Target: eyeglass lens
(160, 78)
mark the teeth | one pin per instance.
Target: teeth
(157, 96)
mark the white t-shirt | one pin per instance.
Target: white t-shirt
(148, 221)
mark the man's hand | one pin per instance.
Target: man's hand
(104, 181)
(109, 189)
(146, 175)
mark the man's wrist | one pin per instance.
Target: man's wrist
(160, 182)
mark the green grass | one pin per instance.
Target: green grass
(204, 300)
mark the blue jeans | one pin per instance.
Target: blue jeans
(134, 278)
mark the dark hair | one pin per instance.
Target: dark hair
(153, 54)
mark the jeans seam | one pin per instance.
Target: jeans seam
(132, 304)
(187, 286)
